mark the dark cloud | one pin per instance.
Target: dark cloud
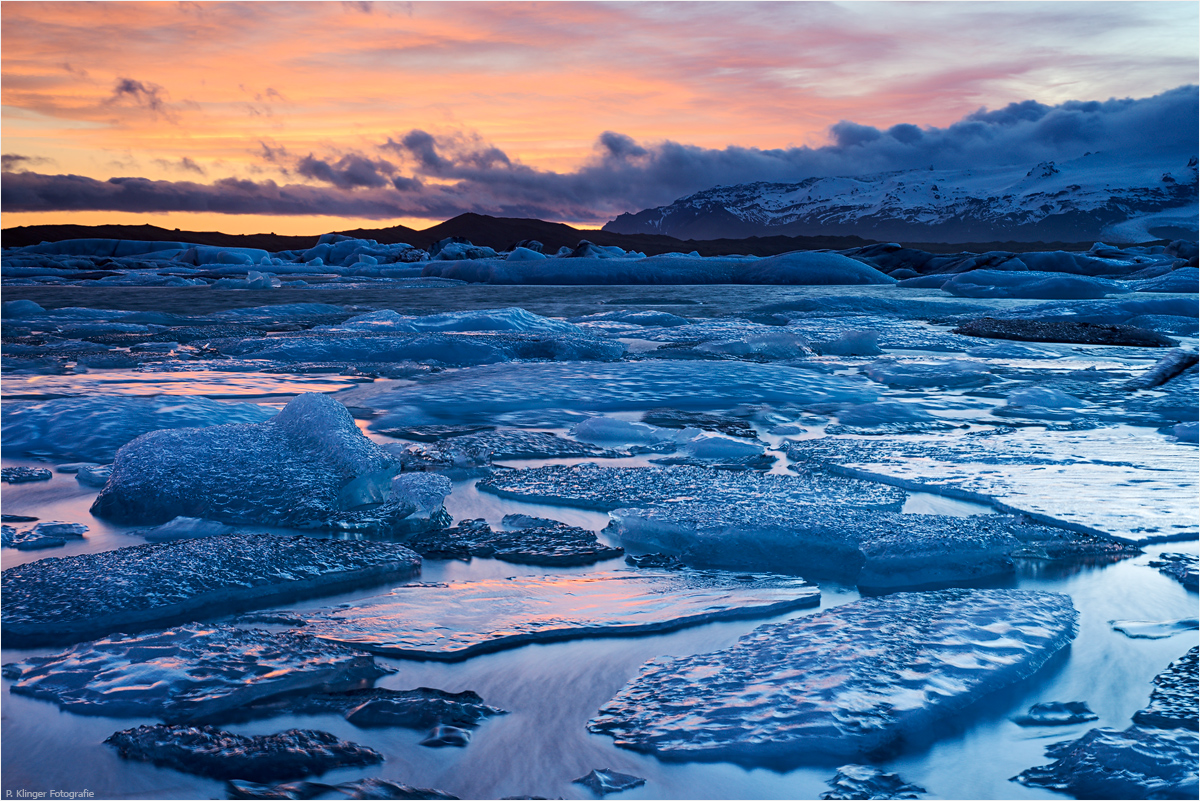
(184, 164)
(14, 162)
(147, 95)
(620, 146)
(624, 175)
(348, 172)
(35, 192)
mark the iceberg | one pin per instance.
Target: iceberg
(867, 781)
(209, 751)
(308, 466)
(851, 681)
(1055, 713)
(603, 781)
(459, 620)
(190, 673)
(143, 586)
(1183, 567)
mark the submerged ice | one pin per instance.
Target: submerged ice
(461, 619)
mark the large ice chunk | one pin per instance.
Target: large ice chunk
(94, 427)
(309, 465)
(1135, 763)
(483, 392)
(876, 550)
(800, 267)
(606, 488)
(190, 673)
(209, 751)
(1025, 284)
(849, 681)
(526, 540)
(127, 589)
(1173, 703)
(458, 620)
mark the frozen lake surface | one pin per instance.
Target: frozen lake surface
(712, 415)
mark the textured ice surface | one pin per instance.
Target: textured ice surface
(461, 619)
(878, 550)
(1022, 284)
(483, 448)
(23, 475)
(814, 522)
(56, 600)
(1173, 703)
(467, 395)
(209, 751)
(1054, 330)
(946, 373)
(189, 673)
(867, 781)
(675, 418)
(822, 333)
(1056, 713)
(535, 541)
(852, 680)
(93, 428)
(421, 708)
(603, 781)
(757, 496)
(1180, 566)
(1122, 482)
(307, 466)
(1154, 629)
(1135, 763)
(363, 788)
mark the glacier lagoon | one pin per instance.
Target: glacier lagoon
(917, 422)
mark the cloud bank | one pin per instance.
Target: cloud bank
(421, 174)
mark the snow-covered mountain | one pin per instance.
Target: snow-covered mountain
(1097, 196)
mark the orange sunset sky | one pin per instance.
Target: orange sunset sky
(323, 116)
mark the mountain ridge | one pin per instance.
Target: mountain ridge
(1096, 196)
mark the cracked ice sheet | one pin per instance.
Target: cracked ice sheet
(72, 598)
(189, 673)
(850, 681)
(607, 488)
(461, 619)
(1123, 482)
(486, 391)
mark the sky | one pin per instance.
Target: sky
(298, 118)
